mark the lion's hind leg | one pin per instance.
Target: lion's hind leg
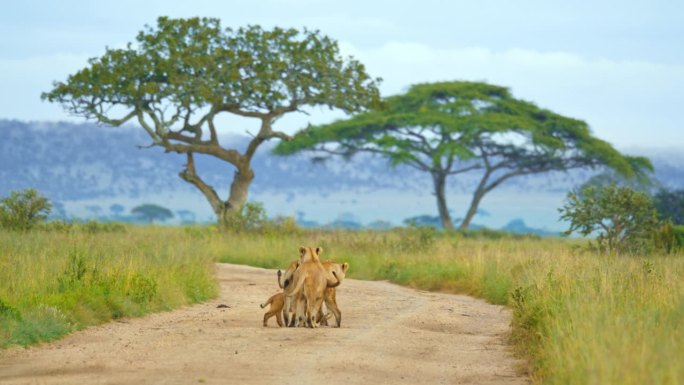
(331, 304)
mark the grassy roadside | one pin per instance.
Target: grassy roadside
(52, 283)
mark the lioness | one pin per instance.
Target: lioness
(336, 270)
(307, 289)
(277, 301)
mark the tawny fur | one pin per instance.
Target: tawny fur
(277, 301)
(310, 280)
(304, 313)
(330, 295)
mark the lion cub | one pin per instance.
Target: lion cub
(277, 302)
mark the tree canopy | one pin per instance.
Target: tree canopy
(450, 128)
(180, 75)
(150, 212)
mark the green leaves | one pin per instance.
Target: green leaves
(187, 64)
(23, 210)
(624, 219)
(449, 122)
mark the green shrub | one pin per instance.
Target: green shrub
(623, 218)
(251, 217)
(284, 226)
(23, 210)
(679, 236)
(665, 238)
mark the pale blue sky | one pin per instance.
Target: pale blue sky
(619, 65)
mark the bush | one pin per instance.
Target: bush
(679, 236)
(670, 205)
(624, 219)
(285, 226)
(251, 217)
(23, 210)
(669, 238)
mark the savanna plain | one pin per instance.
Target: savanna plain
(578, 317)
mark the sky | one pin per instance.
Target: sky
(619, 65)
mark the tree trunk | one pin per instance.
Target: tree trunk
(225, 210)
(480, 192)
(472, 210)
(237, 198)
(439, 180)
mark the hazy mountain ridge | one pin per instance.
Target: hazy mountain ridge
(77, 161)
(73, 162)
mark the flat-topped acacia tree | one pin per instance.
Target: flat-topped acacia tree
(178, 77)
(451, 128)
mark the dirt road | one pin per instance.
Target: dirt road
(389, 335)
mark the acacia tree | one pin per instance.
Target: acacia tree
(178, 77)
(150, 212)
(451, 128)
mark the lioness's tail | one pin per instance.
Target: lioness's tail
(298, 286)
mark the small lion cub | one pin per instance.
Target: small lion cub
(277, 302)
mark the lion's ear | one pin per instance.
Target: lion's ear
(302, 250)
(345, 267)
(319, 250)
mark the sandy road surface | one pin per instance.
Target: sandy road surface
(389, 335)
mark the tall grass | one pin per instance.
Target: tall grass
(54, 282)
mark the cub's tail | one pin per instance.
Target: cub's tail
(263, 305)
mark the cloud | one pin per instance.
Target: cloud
(24, 80)
(628, 103)
(625, 102)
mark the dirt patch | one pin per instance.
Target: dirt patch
(389, 334)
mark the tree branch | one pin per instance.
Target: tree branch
(189, 175)
(160, 137)
(503, 178)
(115, 122)
(150, 131)
(464, 169)
(271, 114)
